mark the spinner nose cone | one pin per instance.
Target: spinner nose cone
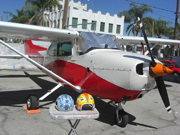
(159, 70)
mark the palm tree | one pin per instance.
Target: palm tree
(148, 23)
(132, 15)
(170, 34)
(22, 16)
(39, 6)
(161, 28)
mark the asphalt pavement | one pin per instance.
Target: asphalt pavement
(147, 116)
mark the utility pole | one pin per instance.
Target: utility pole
(65, 13)
(1, 16)
(175, 28)
(7, 12)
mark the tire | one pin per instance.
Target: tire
(32, 102)
(176, 74)
(123, 119)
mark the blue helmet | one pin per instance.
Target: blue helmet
(64, 103)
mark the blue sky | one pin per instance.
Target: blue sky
(107, 6)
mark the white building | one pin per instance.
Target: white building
(81, 19)
(77, 5)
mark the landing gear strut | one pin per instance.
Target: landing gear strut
(33, 102)
(121, 117)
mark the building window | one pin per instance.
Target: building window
(118, 29)
(59, 7)
(84, 24)
(74, 22)
(93, 25)
(110, 28)
(102, 26)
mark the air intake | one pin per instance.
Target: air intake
(139, 69)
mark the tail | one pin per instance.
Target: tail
(30, 48)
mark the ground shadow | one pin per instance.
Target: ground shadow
(107, 114)
(171, 78)
(15, 98)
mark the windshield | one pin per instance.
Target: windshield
(93, 40)
(177, 65)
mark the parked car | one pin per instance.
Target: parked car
(175, 66)
(174, 58)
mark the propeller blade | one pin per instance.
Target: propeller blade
(153, 63)
(157, 70)
(163, 92)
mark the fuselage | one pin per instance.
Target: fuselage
(107, 73)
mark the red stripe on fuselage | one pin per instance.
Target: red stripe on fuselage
(33, 51)
(90, 82)
(30, 48)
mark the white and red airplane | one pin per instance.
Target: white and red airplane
(92, 63)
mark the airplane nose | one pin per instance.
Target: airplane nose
(159, 70)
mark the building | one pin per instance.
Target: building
(81, 19)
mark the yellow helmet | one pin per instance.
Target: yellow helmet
(85, 102)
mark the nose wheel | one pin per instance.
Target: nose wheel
(121, 117)
(32, 102)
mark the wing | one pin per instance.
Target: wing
(132, 40)
(32, 32)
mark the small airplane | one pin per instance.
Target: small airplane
(92, 63)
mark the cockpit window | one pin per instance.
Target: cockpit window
(64, 49)
(52, 50)
(90, 40)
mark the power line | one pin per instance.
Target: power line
(164, 16)
(150, 6)
(130, 1)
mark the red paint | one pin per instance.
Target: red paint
(90, 82)
(32, 51)
(78, 76)
(30, 48)
(142, 47)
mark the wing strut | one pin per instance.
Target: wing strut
(77, 88)
(51, 91)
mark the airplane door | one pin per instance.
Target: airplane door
(50, 58)
(65, 68)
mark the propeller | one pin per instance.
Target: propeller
(156, 71)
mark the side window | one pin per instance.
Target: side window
(167, 64)
(52, 50)
(64, 49)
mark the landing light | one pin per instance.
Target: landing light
(146, 86)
